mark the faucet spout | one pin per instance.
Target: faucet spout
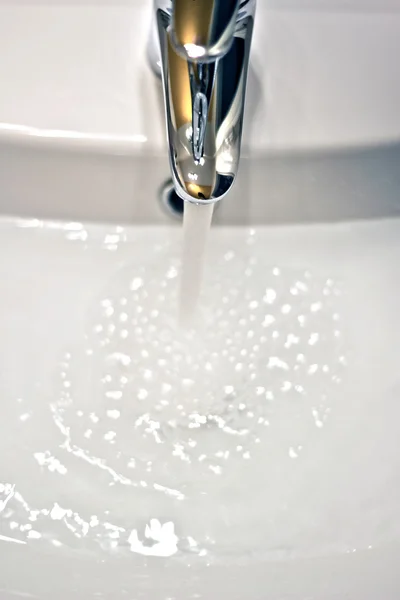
(203, 30)
(204, 56)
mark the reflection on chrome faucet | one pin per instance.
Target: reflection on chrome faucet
(204, 48)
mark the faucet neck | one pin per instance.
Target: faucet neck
(205, 47)
(203, 30)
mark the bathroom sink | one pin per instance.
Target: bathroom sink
(82, 132)
(255, 456)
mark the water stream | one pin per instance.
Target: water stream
(196, 226)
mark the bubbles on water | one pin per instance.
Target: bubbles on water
(176, 423)
(158, 540)
(45, 459)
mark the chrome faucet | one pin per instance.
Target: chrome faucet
(204, 48)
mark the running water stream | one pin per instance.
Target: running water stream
(196, 226)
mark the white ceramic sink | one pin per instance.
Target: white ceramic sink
(288, 491)
(83, 135)
(259, 459)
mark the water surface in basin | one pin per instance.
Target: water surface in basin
(249, 436)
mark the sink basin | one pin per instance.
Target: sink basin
(256, 456)
(265, 466)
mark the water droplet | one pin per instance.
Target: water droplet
(113, 414)
(136, 283)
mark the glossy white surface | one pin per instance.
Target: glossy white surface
(82, 132)
(115, 483)
(323, 74)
